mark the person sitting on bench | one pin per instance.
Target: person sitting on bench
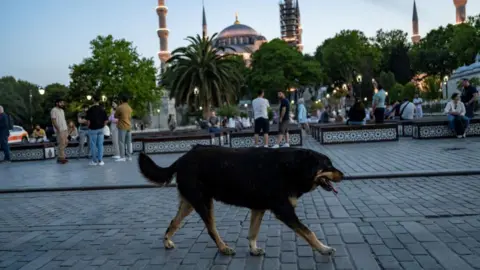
(457, 121)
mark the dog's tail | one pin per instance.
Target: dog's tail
(153, 172)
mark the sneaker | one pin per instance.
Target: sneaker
(62, 161)
(460, 136)
(92, 163)
(121, 160)
(275, 146)
(129, 159)
(257, 146)
(266, 146)
(101, 163)
(116, 157)
(286, 145)
(464, 135)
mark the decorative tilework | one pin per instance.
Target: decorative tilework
(24, 154)
(173, 146)
(441, 131)
(137, 146)
(50, 153)
(361, 135)
(248, 141)
(407, 130)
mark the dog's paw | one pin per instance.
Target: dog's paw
(168, 244)
(257, 252)
(227, 251)
(327, 251)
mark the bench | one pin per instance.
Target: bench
(437, 129)
(341, 133)
(173, 144)
(30, 151)
(245, 138)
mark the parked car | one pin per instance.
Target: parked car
(18, 135)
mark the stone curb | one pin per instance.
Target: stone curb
(366, 176)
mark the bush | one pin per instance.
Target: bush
(243, 115)
(270, 113)
(409, 91)
(316, 106)
(228, 111)
(396, 92)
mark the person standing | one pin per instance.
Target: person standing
(378, 105)
(124, 125)
(59, 123)
(5, 126)
(283, 121)
(96, 119)
(83, 133)
(469, 98)
(302, 115)
(260, 107)
(418, 101)
(114, 131)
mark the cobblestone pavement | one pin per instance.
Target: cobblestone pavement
(405, 156)
(414, 223)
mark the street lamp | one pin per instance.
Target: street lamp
(365, 99)
(41, 91)
(328, 95)
(89, 97)
(104, 98)
(445, 80)
(201, 108)
(359, 78)
(196, 91)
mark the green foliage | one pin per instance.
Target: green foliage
(115, 68)
(317, 105)
(200, 65)
(346, 53)
(270, 113)
(228, 111)
(243, 114)
(387, 80)
(396, 92)
(444, 49)
(431, 87)
(276, 66)
(409, 91)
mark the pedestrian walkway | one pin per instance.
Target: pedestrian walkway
(406, 157)
(415, 223)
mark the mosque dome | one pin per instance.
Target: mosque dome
(240, 37)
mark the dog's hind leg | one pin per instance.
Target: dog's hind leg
(184, 209)
(205, 210)
(255, 221)
(286, 213)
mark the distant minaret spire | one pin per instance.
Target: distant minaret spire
(290, 25)
(204, 22)
(415, 35)
(162, 32)
(299, 28)
(461, 6)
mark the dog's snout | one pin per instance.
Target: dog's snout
(337, 175)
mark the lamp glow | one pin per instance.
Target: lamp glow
(89, 97)
(41, 91)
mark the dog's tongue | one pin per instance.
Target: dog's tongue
(333, 189)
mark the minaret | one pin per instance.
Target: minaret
(290, 27)
(162, 33)
(204, 22)
(415, 35)
(299, 29)
(461, 10)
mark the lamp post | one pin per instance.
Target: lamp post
(359, 81)
(41, 91)
(89, 97)
(104, 98)
(445, 81)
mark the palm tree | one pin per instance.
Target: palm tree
(202, 75)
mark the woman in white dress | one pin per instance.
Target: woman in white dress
(114, 131)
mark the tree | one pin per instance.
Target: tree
(204, 67)
(387, 80)
(396, 92)
(113, 69)
(346, 53)
(277, 66)
(431, 87)
(409, 91)
(394, 49)
(445, 49)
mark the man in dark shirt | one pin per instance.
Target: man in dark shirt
(96, 119)
(469, 98)
(283, 121)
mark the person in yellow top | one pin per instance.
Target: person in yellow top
(38, 134)
(124, 125)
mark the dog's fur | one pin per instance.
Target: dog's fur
(257, 178)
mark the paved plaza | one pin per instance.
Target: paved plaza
(414, 223)
(364, 160)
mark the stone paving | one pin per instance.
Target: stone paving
(360, 160)
(414, 223)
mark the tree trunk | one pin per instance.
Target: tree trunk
(206, 112)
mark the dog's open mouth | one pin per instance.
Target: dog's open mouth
(327, 185)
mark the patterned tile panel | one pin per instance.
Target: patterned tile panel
(353, 136)
(442, 131)
(248, 141)
(173, 146)
(25, 154)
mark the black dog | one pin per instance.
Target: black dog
(258, 178)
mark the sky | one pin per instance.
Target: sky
(41, 39)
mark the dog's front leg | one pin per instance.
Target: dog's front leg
(255, 221)
(286, 213)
